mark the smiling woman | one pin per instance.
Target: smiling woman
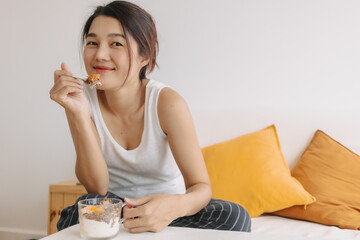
(137, 23)
(110, 50)
(134, 137)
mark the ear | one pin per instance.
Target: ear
(144, 61)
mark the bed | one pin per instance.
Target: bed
(267, 227)
(296, 140)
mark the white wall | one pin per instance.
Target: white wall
(241, 66)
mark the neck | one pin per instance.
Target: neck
(126, 100)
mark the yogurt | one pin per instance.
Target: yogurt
(97, 229)
(99, 218)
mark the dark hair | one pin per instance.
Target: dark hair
(136, 22)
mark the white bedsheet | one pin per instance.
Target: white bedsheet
(263, 228)
(281, 226)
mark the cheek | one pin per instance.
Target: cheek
(87, 58)
(121, 57)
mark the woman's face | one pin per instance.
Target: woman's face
(106, 53)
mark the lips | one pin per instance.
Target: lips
(102, 69)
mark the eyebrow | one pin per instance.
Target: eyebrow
(109, 35)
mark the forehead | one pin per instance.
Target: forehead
(105, 25)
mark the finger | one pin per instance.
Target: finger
(137, 201)
(66, 83)
(139, 230)
(64, 71)
(60, 73)
(138, 225)
(65, 67)
(61, 95)
(134, 222)
(67, 89)
(69, 80)
(131, 212)
(145, 229)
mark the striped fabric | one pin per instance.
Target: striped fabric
(218, 214)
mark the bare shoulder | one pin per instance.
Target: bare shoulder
(169, 98)
(172, 108)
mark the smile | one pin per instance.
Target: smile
(102, 69)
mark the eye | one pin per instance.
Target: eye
(91, 43)
(116, 44)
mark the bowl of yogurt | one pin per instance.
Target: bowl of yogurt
(99, 218)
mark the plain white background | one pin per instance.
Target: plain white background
(240, 65)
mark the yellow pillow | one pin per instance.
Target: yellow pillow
(250, 170)
(330, 172)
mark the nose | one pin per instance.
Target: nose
(102, 53)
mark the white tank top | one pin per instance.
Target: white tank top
(150, 168)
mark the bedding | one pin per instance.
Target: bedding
(267, 227)
(294, 139)
(251, 170)
(331, 173)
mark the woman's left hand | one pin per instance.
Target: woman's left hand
(150, 213)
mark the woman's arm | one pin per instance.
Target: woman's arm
(91, 168)
(155, 212)
(176, 122)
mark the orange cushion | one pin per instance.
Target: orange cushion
(331, 173)
(250, 170)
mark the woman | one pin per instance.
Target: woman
(134, 137)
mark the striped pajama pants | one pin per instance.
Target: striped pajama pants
(218, 214)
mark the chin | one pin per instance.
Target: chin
(100, 87)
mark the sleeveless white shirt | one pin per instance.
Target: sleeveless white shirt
(150, 168)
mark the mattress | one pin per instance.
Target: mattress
(280, 226)
(267, 227)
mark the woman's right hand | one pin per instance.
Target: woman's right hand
(68, 92)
